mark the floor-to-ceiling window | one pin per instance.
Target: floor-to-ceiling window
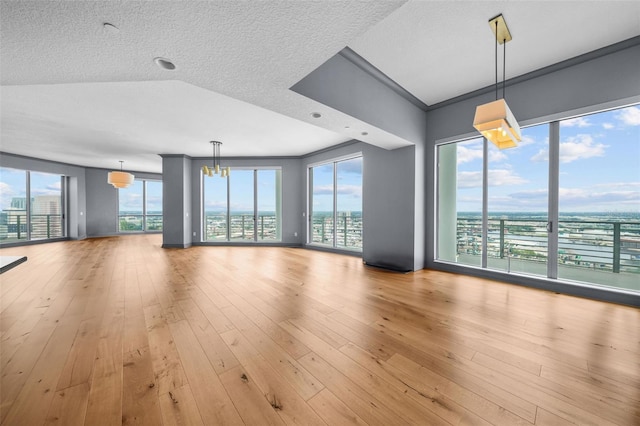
(33, 206)
(245, 206)
(563, 204)
(599, 198)
(460, 175)
(140, 207)
(335, 204)
(517, 204)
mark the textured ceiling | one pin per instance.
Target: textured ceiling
(75, 92)
(237, 58)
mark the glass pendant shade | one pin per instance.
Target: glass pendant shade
(120, 179)
(496, 122)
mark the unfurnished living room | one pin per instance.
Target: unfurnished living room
(322, 212)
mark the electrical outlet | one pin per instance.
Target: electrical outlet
(295, 234)
(194, 233)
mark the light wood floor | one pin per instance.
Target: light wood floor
(118, 330)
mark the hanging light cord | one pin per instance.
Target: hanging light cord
(504, 65)
(496, 56)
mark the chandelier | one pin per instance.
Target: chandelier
(120, 179)
(216, 168)
(494, 120)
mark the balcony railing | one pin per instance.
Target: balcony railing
(241, 227)
(599, 245)
(14, 223)
(348, 230)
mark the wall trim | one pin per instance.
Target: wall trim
(366, 66)
(603, 51)
(618, 296)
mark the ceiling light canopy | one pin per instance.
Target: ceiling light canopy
(216, 168)
(494, 120)
(120, 179)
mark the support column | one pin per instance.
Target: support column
(176, 201)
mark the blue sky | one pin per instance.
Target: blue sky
(241, 186)
(349, 186)
(130, 199)
(13, 184)
(599, 167)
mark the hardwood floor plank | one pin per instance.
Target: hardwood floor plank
(559, 399)
(80, 361)
(32, 403)
(179, 408)
(252, 405)
(282, 397)
(303, 382)
(165, 360)
(212, 400)
(366, 406)
(333, 411)
(140, 403)
(376, 386)
(69, 406)
(430, 392)
(463, 382)
(219, 355)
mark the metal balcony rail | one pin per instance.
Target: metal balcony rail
(14, 225)
(602, 245)
(348, 230)
(241, 227)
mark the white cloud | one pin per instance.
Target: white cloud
(580, 147)
(322, 189)
(608, 126)
(526, 140)
(467, 155)
(576, 122)
(352, 190)
(574, 148)
(630, 116)
(541, 156)
(496, 156)
(571, 198)
(497, 177)
(6, 189)
(469, 179)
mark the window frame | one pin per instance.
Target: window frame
(309, 227)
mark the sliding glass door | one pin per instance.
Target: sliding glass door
(245, 207)
(599, 199)
(33, 206)
(517, 204)
(335, 204)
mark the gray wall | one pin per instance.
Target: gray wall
(350, 87)
(77, 189)
(176, 201)
(102, 204)
(388, 202)
(587, 85)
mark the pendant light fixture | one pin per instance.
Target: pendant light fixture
(120, 179)
(216, 168)
(494, 120)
